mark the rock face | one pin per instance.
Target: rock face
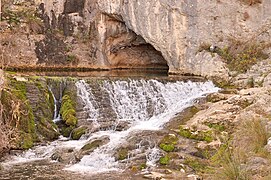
(137, 34)
(178, 28)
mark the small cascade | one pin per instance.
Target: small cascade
(146, 105)
(88, 99)
(122, 109)
(152, 156)
(56, 117)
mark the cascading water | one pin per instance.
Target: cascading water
(146, 105)
(56, 117)
(140, 104)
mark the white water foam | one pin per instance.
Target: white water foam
(88, 99)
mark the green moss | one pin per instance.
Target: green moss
(78, 132)
(51, 101)
(165, 160)
(67, 111)
(66, 131)
(143, 166)
(200, 135)
(92, 145)
(167, 147)
(216, 126)
(20, 108)
(197, 165)
(168, 143)
(27, 141)
(122, 154)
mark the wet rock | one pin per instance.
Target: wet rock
(122, 126)
(78, 132)
(15, 152)
(92, 145)
(66, 156)
(121, 154)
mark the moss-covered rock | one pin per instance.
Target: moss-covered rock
(122, 154)
(18, 113)
(92, 145)
(68, 110)
(198, 165)
(197, 135)
(66, 130)
(78, 132)
(168, 143)
(26, 141)
(165, 160)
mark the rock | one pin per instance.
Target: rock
(215, 97)
(168, 171)
(15, 152)
(65, 155)
(92, 145)
(154, 175)
(122, 125)
(20, 79)
(1, 78)
(121, 154)
(193, 177)
(256, 163)
(267, 81)
(78, 132)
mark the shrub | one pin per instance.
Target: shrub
(240, 56)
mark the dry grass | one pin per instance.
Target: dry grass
(242, 55)
(232, 158)
(252, 137)
(5, 131)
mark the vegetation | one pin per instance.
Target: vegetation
(23, 13)
(197, 135)
(240, 55)
(18, 113)
(232, 157)
(68, 110)
(164, 160)
(196, 164)
(122, 154)
(78, 132)
(216, 126)
(168, 143)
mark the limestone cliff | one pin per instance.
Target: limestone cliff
(136, 34)
(178, 28)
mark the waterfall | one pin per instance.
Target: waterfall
(56, 117)
(145, 104)
(141, 105)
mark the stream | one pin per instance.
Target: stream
(121, 114)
